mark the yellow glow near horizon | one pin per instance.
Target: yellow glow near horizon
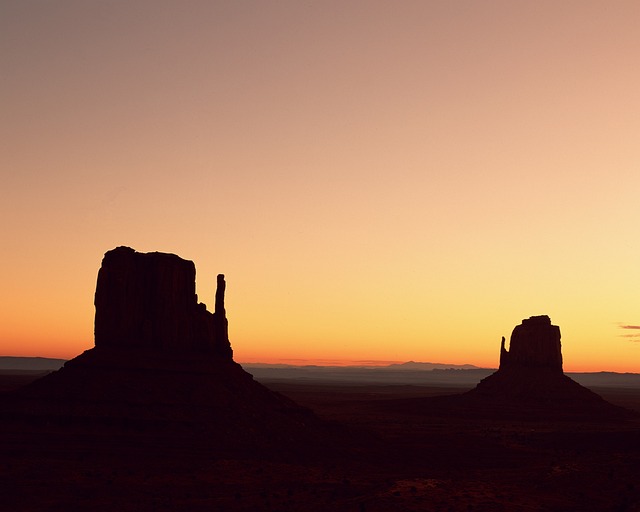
(378, 181)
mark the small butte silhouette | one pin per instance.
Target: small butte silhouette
(163, 363)
(530, 376)
(529, 384)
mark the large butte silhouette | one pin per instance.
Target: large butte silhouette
(163, 363)
(530, 380)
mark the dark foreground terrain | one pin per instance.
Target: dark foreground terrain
(396, 453)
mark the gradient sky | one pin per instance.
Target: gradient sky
(378, 180)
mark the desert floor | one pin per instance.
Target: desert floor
(403, 457)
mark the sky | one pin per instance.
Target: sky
(378, 180)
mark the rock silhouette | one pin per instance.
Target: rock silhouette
(149, 301)
(529, 385)
(163, 363)
(530, 377)
(535, 343)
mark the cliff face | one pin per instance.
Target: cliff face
(535, 343)
(149, 301)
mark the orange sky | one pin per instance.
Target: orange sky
(377, 180)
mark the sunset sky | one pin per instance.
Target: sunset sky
(378, 180)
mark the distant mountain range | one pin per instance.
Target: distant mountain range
(413, 373)
(409, 373)
(410, 365)
(46, 363)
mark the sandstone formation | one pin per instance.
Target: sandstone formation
(163, 364)
(535, 343)
(149, 301)
(529, 385)
(530, 379)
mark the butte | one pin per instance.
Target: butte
(163, 366)
(529, 385)
(530, 379)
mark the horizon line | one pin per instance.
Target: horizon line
(373, 363)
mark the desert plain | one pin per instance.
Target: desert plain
(387, 447)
